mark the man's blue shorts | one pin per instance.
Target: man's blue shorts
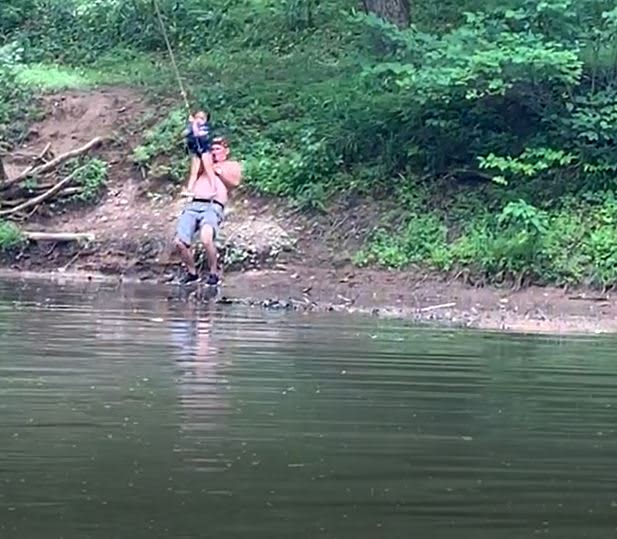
(197, 214)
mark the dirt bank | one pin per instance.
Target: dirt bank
(389, 295)
(274, 256)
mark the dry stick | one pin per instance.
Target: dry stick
(13, 202)
(70, 191)
(436, 307)
(59, 236)
(3, 177)
(42, 155)
(71, 261)
(32, 212)
(38, 190)
(32, 171)
(42, 198)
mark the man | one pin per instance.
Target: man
(205, 212)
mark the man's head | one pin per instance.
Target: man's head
(220, 149)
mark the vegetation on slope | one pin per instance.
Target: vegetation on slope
(489, 126)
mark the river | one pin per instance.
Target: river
(125, 415)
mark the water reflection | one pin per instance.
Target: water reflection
(124, 415)
(201, 383)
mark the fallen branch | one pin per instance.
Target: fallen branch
(435, 307)
(66, 192)
(42, 155)
(71, 261)
(42, 198)
(13, 202)
(33, 171)
(59, 236)
(70, 191)
(589, 298)
(3, 177)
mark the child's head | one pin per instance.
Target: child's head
(202, 116)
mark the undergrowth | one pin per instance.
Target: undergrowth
(572, 244)
(92, 178)
(489, 126)
(16, 104)
(10, 236)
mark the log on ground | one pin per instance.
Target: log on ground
(59, 236)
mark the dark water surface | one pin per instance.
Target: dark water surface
(123, 415)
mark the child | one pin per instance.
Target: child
(197, 134)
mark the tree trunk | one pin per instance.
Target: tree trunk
(394, 11)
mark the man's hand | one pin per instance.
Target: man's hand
(186, 193)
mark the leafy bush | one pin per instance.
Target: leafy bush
(92, 177)
(10, 236)
(13, 96)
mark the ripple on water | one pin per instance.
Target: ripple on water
(125, 415)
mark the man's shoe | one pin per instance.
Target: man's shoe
(213, 279)
(189, 278)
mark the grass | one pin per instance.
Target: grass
(119, 66)
(10, 236)
(49, 77)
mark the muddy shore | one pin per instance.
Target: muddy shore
(384, 295)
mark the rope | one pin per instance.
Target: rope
(171, 55)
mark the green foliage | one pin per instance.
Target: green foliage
(10, 236)
(45, 77)
(576, 243)
(92, 178)
(14, 98)
(530, 163)
(490, 124)
(423, 238)
(163, 148)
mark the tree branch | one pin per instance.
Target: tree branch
(58, 236)
(41, 198)
(33, 171)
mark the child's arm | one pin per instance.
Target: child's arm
(188, 127)
(191, 184)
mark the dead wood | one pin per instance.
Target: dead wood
(43, 197)
(35, 170)
(59, 236)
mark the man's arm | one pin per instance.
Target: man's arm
(209, 168)
(230, 175)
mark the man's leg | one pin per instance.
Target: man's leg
(184, 234)
(186, 256)
(207, 238)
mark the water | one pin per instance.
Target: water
(123, 415)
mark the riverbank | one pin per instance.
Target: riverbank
(274, 255)
(413, 298)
